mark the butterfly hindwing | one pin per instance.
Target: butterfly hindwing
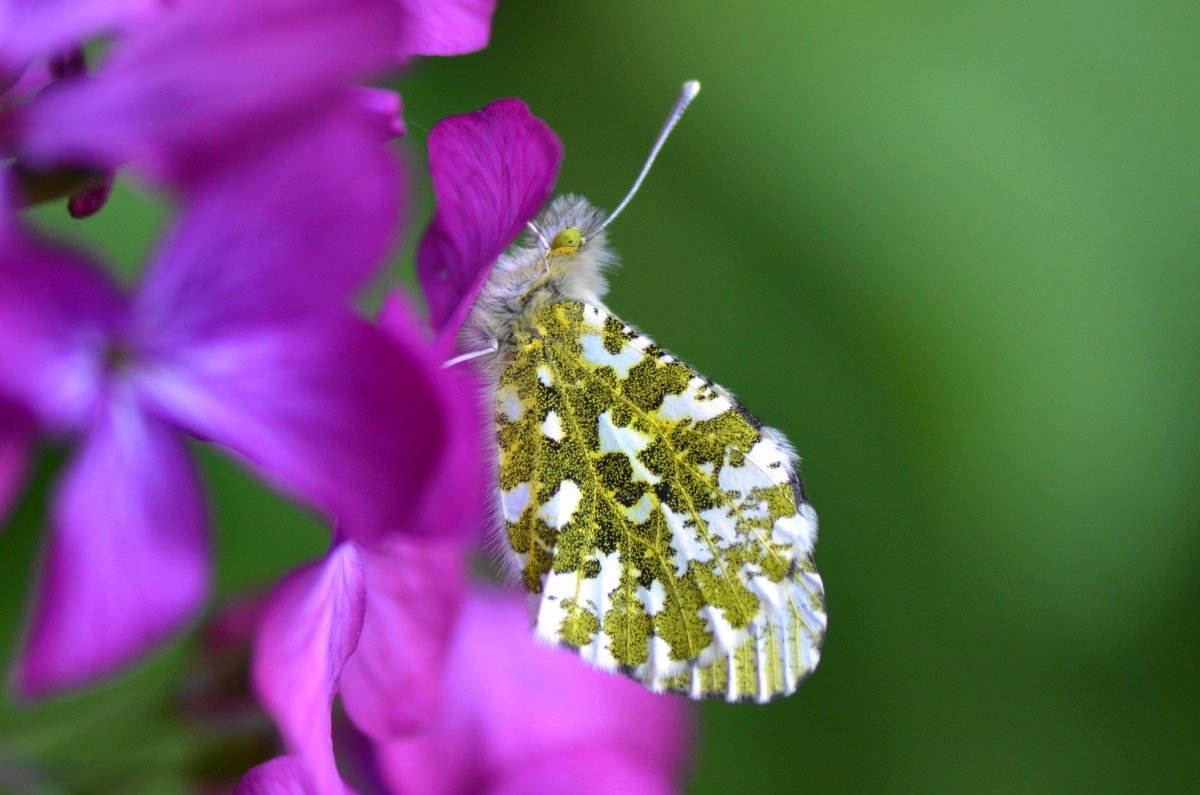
(662, 528)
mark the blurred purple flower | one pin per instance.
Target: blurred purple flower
(443, 27)
(492, 171)
(453, 700)
(240, 334)
(33, 28)
(186, 85)
(536, 720)
(188, 81)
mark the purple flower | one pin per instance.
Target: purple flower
(33, 28)
(188, 81)
(240, 334)
(492, 171)
(453, 692)
(522, 718)
(188, 84)
(443, 27)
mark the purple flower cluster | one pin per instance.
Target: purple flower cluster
(242, 333)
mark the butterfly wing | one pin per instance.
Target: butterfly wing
(661, 526)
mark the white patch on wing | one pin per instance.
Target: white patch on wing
(769, 592)
(640, 511)
(810, 519)
(513, 503)
(758, 471)
(724, 635)
(594, 352)
(552, 426)
(722, 528)
(685, 540)
(509, 404)
(658, 663)
(593, 315)
(624, 440)
(690, 406)
(742, 479)
(561, 507)
(796, 531)
(769, 455)
(654, 598)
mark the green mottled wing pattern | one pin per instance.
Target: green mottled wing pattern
(662, 527)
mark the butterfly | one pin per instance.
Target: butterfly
(662, 528)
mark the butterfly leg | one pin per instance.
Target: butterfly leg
(466, 357)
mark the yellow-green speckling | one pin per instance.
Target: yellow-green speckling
(658, 508)
(579, 626)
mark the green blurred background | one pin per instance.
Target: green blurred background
(951, 249)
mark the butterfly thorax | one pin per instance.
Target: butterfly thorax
(570, 266)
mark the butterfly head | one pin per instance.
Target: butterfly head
(569, 252)
(567, 242)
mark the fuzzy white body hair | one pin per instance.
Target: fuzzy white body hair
(528, 278)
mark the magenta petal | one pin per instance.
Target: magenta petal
(589, 772)
(191, 83)
(310, 628)
(127, 561)
(288, 230)
(57, 315)
(392, 684)
(16, 442)
(383, 109)
(458, 494)
(517, 704)
(29, 28)
(284, 775)
(333, 411)
(492, 171)
(444, 27)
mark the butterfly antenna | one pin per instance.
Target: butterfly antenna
(689, 91)
(543, 245)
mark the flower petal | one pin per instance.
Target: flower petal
(57, 315)
(333, 412)
(392, 684)
(310, 628)
(30, 28)
(284, 775)
(189, 84)
(517, 704)
(16, 442)
(127, 561)
(458, 494)
(492, 171)
(384, 110)
(288, 230)
(589, 772)
(444, 27)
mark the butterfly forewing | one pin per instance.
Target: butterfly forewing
(661, 526)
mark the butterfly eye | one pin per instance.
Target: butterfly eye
(567, 241)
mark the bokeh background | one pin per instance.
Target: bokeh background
(951, 248)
